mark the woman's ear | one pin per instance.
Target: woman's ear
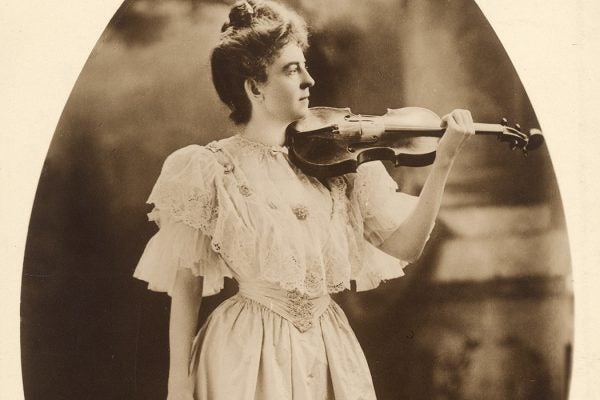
(252, 89)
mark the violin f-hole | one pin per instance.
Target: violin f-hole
(366, 142)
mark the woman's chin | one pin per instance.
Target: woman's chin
(302, 113)
(296, 114)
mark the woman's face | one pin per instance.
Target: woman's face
(286, 91)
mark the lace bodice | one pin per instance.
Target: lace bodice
(238, 208)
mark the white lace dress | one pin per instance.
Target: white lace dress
(237, 208)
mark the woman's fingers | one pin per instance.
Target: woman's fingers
(459, 127)
(465, 120)
(460, 121)
(449, 122)
(455, 128)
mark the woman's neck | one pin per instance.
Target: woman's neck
(264, 130)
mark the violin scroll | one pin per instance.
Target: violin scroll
(517, 139)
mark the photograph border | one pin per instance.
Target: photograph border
(47, 44)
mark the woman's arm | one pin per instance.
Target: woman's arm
(185, 305)
(408, 241)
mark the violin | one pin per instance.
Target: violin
(333, 141)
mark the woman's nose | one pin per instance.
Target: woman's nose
(307, 80)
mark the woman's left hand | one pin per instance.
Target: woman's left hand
(459, 127)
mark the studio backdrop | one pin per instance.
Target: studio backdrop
(485, 313)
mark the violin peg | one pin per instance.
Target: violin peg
(514, 145)
(504, 121)
(518, 127)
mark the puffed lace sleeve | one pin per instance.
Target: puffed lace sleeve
(382, 208)
(377, 211)
(185, 209)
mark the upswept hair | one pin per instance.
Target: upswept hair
(250, 41)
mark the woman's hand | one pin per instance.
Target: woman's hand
(180, 396)
(459, 127)
(186, 298)
(181, 388)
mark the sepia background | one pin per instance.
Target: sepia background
(486, 311)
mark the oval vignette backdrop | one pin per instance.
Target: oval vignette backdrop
(486, 310)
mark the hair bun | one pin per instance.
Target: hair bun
(241, 15)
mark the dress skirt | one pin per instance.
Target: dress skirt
(255, 347)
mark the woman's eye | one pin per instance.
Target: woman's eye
(296, 69)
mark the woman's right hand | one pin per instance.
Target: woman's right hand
(180, 396)
(185, 305)
(181, 388)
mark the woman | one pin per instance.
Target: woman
(238, 208)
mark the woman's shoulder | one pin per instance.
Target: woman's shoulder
(184, 155)
(195, 156)
(190, 168)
